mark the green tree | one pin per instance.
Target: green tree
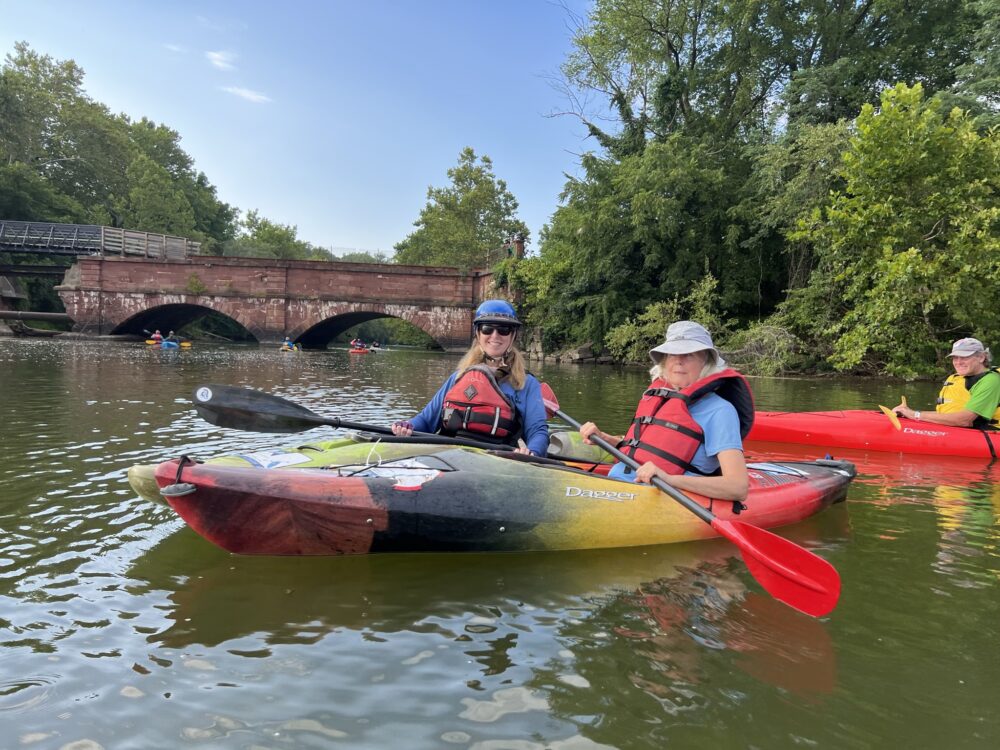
(26, 196)
(466, 223)
(789, 178)
(735, 68)
(215, 222)
(909, 250)
(91, 158)
(49, 124)
(978, 89)
(260, 237)
(363, 256)
(154, 203)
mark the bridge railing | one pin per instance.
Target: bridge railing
(88, 239)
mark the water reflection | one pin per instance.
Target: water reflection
(120, 626)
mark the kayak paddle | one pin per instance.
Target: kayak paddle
(790, 573)
(893, 417)
(247, 409)
(255, 411)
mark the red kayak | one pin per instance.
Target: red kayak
(872, 431)
(359, 351)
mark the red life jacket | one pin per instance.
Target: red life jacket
(663, 430)
(475, 406)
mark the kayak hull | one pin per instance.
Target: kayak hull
(443, 498)
(872, 431)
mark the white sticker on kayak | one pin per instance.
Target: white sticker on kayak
(409, 474)
(274, 459)
(203, 394)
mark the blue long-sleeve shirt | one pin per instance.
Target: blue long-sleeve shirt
(527, 401)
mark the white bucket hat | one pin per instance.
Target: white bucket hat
(684, 337)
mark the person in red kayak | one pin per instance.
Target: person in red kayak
(491, 397)
(690, 423)
(970, 397)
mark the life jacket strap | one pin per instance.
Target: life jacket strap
(632, 448)
(648, 420)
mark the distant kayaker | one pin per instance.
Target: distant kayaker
(288, 345)
(971, 396)
(172, 337)
(157, 336)
(690, 423)
(491, 396)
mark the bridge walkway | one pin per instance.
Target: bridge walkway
(45, 238)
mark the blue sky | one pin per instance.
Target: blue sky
(334, 117)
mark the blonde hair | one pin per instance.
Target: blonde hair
(517, 371)
(713, 364)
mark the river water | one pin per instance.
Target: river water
(121, 628)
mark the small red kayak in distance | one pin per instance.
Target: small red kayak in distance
(872, 431)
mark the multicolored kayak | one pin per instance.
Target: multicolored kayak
(408, 496)
(872, 431)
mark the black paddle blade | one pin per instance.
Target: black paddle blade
(246, 409)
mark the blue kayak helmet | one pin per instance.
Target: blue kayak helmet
(496, 311)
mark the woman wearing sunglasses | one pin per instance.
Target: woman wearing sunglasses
(491, 396)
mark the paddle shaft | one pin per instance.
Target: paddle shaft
(247, 409)
(703, 513)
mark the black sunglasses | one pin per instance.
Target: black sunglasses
(488, 330)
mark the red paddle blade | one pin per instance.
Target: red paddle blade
(788, 572)
(550, 401)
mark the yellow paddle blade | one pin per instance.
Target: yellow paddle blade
(903, 401)
(186, 344)
(152, 341)
(891, 415)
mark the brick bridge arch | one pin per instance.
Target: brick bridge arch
(311, 301)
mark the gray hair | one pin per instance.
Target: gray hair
(713, 364)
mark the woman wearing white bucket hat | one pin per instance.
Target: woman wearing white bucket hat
(971, 396)
(690, 423)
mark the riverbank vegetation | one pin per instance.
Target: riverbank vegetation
(818, 183)
(828, 171)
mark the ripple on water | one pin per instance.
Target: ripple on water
(25, 693)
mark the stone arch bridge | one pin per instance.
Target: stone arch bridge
(310, 301)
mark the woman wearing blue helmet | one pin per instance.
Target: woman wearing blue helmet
(491, 396)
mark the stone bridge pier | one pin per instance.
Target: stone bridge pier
(310, 301)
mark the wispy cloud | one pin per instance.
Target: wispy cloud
(174, 48)
(222, 60)
(250, 95)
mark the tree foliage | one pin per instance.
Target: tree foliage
(259, 237)
(466, 223)
(719, 126)
(66, 158)
(909, 249)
